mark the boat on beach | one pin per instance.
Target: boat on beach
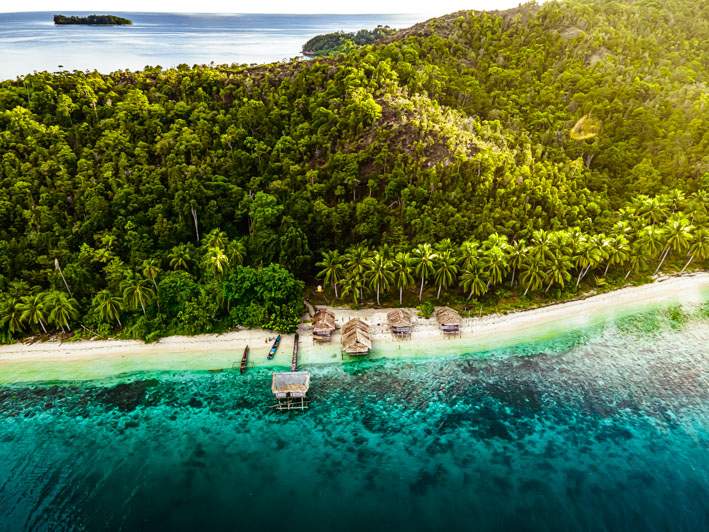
(244, 360)
(274, 347)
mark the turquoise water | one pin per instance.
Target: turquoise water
(605, 429)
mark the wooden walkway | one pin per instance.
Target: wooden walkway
(294, 358)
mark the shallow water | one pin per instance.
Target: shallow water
(604, 429)
(31, 41)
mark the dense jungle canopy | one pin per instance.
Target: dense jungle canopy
(480, 154)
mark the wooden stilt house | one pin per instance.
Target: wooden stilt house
(399, 322)
(448, 320)
(356, 339)
(290, 389)
(323, 325)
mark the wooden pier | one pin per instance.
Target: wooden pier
(294, 357)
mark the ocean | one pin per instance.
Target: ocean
(31, 42)
(605, 428)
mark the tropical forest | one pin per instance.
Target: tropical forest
(483, 160)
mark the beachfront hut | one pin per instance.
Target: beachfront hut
(290, 389)
(323, 325)
(399, 322)
(356, 339)
(448, 320)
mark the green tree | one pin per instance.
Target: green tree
(379, 273)
(446, 270)
(108, 307)
(678, 233)
(137, 293)
(32, 309)
(181, 257)
(62, 309)
(473, 282)
(424, 263)
(402, 268)
(699, 249)
(331, 269)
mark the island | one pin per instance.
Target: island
(334, 42)
(92, 20)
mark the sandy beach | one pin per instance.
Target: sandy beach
(97, 359)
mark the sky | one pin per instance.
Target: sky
(433, 7)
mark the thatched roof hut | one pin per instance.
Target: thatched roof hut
(449, 320)
(399, 322)
(290, 384)
(323, 325)
(356, 339)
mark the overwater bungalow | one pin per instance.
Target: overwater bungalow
(290, 389)
(448, 320)
(399, 322)
(356, 339)
(323, 325)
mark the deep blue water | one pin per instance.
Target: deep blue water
(606, 429)
(31, 41)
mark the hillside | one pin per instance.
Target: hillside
(525, 152)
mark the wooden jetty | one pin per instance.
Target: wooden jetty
(323, 325)
(290, 389)
(356, 339)
(399, 322)
(244, 360)
(294, 358)
(448, 320)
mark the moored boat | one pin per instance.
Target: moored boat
(244, 360)
(274, 347)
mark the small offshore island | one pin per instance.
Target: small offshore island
(92, 20)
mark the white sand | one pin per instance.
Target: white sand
(96, 359)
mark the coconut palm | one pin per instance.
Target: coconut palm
(137, 293)
(402, 267)
(62, 309)
(356, 266)
(651, 210)
(542, 244)
(495, 264)
(517, 254)
(618, 252)
(216, 238)
(180, 257)
(699, 248)
(11, 315)
(423, 257)
(353, 285)
(473, 281)
(637, 259)
(651, 240)
(32, 310)
(108, 306)
(215, 262)
(236, 252)
(678, 235)
(58, 267)
(532, 274)
(379, 273)
(470, 254)
(332, 268)
(445, 270)
(590, 254)
(557, 271)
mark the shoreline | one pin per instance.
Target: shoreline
(93, 359)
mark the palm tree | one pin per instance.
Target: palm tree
(532, 275)
(379, 273)
(137, 293)
(618, 252)
(236, 252)
(62, 309)
(699, 248)
(180, 257)
(678, 235)
(446, 270)
(518, 253)
(473, 282)
(32, 310)
(651, 240)
(558, 271)
(495, 264)
(469, 254)
(216, 238)
(637, 258)
(651, 210)
(151, 270)
(542, 244)
(590, 254)
(215, 262)
(401, 268)
(332, 268)
(356, 265)
(109, 307)
(59, 269)
(353, 284)
(423, 257)
(11, 315)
